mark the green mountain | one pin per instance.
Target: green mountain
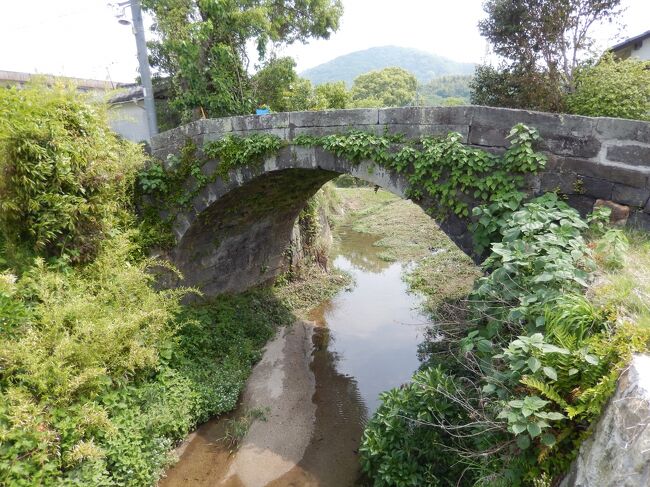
(423, 65)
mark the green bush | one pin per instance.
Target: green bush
(65, 177)
(81, 333)
(542, 254)
(406, 443)
(100, 373)
(612, 88)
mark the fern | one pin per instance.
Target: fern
(547, 390)
(594, 398)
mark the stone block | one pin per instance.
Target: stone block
(637, 155)
(277, 131)
(488, 135)
(553, 162)
(332, 129)
(570, 145)
(212, 136)
(554, 181)
(334, 118)
(417, 131)
(620, 213)
(619, 129)
(583, 203)
(209, 167)
(598, 188)
(217, 125)
(193, 128)
(497, 151)
(260, 122)
(616, 174)
(426, 115)
(561, 134)
(167, 139)
(629, 195)
(640, 220)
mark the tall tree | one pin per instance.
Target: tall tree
(333, 95)
(543, 40)
(272, 83)
(389, 87)
(202, 45)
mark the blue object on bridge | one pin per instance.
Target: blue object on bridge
(262, 111)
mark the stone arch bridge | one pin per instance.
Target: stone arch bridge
(234, 233)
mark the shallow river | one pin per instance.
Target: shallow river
(318, 382)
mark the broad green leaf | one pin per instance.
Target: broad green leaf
(534, 364)
(534, 430)
(523, 441)
(548, 439)
(550, 372)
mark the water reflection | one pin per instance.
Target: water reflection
(359, 250)
(363, 341)
(375, 327)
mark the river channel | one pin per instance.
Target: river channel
(318, 383)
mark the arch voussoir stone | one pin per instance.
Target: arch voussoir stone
(234, 233)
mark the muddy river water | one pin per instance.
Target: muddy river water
(317, 383)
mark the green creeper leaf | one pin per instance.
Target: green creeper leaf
(518, 428)
(548, 439)
(489, 388)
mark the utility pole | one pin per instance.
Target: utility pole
(145, 72)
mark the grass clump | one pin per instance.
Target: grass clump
(237, 428)
(626, 286)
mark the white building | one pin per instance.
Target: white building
(636, 47)
(127, 116)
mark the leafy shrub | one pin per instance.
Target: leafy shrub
(402, 444)
(100, 374)
(537, 362)
(612, 88)
(65, 176)
(541, 255)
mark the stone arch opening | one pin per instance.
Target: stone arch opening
(237, 232)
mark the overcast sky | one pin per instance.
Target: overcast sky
(82, 37)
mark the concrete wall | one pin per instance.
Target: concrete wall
(234, 233)
(129, 119)
(644, 51)
(639, 50)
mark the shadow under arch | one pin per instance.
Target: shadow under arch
(236, 233)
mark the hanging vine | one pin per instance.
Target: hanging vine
(439, 169)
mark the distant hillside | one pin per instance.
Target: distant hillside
(422, 64)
